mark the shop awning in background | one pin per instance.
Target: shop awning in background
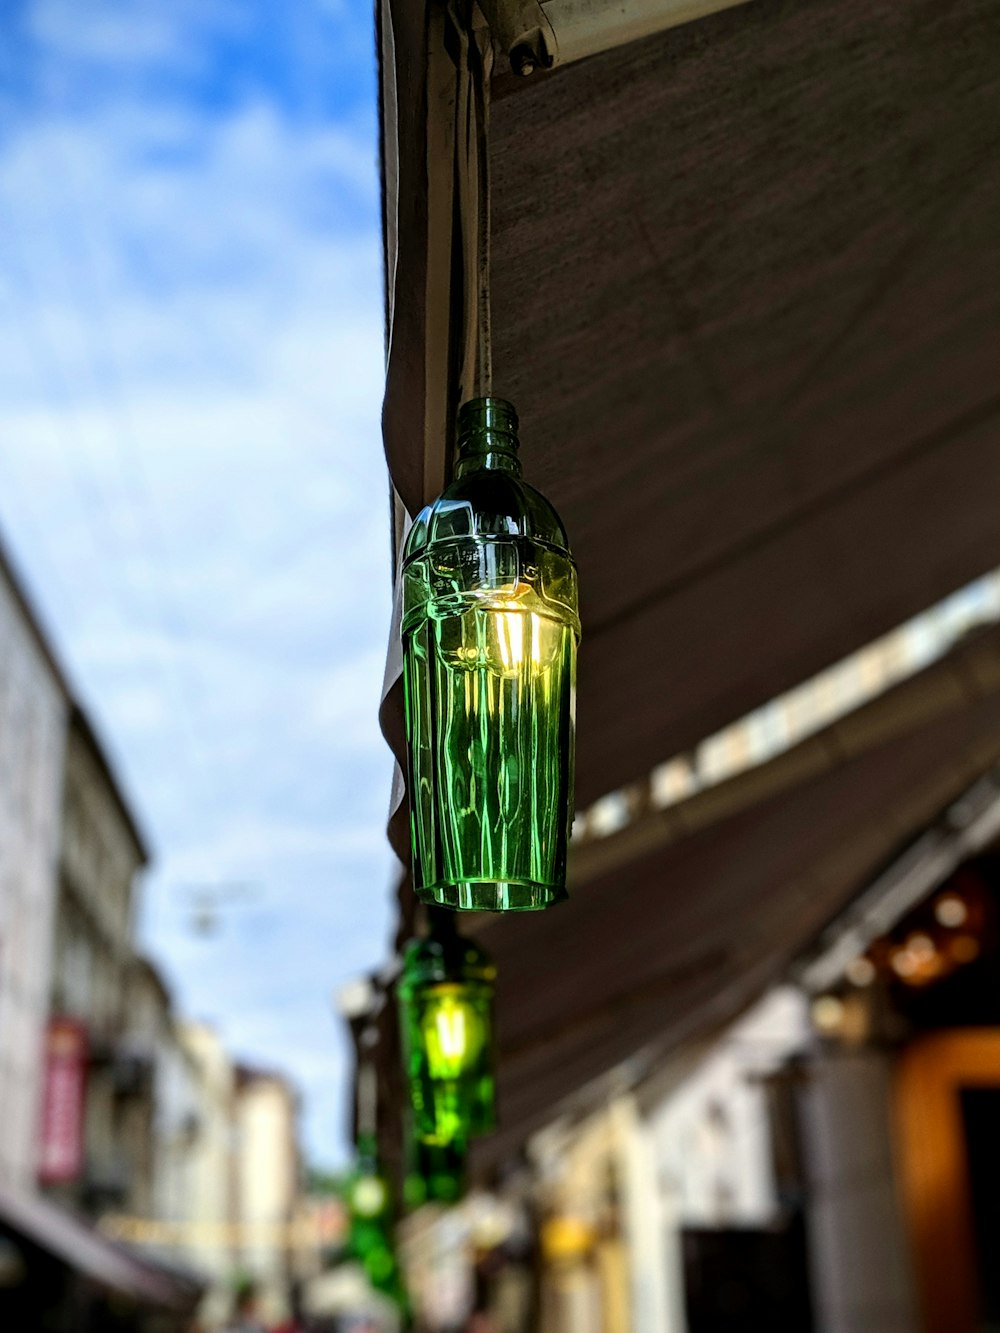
(82, 1249)
(746, 284)
(663, 945)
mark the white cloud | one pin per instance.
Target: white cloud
(190, 383)
(118, 34)
(238, 851)
(244, 257)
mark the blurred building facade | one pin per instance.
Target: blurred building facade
(122, 1123)
(268, 1181)
(204, 1216)
(232, 1199)
(101, 854)
(34, 707)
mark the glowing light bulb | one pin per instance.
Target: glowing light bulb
(922, 947)
(453, 1032)
(951, 911)
(861, 971)
(510, 638)
(827, 1013)
(522, 636)
(904, 963)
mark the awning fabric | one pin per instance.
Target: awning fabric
(680, 939)
(746, 283)
(83, 1249)
(747, 290)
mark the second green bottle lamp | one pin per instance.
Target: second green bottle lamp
(490, 631)
(446, 1009)
(435, 1172)
(369, 1211)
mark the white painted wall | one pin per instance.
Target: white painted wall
(176, 1128)
(211, 1202)
(712, 1135)
(702, 1157)
(861, 1274)
(657, 1275)
(33, 715)
(267, 1182)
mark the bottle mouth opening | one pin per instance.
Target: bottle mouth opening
(487, 417)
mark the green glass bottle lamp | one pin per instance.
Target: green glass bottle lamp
(446, 1015)
(435, 1174)
(370, 1239)
(369, 1211)
(490, 632)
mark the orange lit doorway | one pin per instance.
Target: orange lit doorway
(948, 1118)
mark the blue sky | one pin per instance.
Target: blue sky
(191, 472)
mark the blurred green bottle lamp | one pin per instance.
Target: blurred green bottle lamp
(490, 633)
(369, 1209)
(446, 1010)
(435, 1174)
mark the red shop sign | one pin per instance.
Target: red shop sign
(61, 1153)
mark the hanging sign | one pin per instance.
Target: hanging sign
(61, 1149)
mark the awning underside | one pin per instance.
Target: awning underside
(746, 286)
(747, 301)
(83, 1249)
(681, 939)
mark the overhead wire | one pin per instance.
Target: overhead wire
(136, 607)
(67, 431)
(146, 534)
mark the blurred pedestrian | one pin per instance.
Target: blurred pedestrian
(296, 1321)
(244, 1318)
(480, 1321)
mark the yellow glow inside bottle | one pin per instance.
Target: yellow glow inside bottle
(453, 1032)
(446, 998)
(490, 631)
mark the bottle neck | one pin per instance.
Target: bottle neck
(488, 456)
(487, 437)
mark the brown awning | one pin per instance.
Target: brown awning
(83, 1249)
(746, 282)
(733, 884)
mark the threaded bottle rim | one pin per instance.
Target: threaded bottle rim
(487, 416)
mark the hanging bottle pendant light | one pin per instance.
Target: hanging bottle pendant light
(490, 632)
(489, 615)
(446, 1008)
(370, 1217)
(369, 1213)
(435, 1173)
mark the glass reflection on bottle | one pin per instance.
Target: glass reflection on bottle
(490, 632)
